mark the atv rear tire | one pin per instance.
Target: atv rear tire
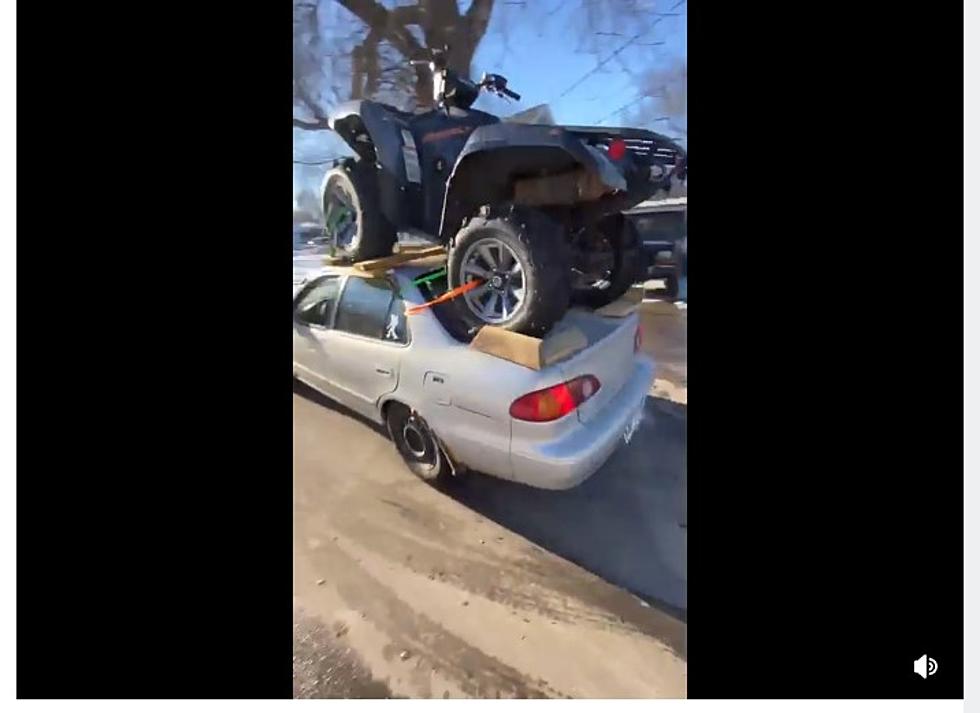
(353, 188)
(627, 254)
(538, 253)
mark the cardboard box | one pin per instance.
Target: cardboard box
(624, 306)
(531, 352)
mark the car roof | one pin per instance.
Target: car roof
(659, 206)
(310, 266)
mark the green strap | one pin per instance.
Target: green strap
(335, 214)
(429, 276)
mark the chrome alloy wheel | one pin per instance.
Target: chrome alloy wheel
(502, 293)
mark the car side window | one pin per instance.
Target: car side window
(370, 308)
(315, 304)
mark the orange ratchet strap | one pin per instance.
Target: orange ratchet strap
(446, 296)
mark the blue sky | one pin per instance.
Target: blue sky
(540, 63)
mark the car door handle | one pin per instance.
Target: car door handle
(383, 371)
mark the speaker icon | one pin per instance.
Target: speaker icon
(925, 666)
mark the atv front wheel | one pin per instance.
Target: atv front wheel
(352, 213)
(627, 252)
(522, 262)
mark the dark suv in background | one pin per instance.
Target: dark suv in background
(662, 226)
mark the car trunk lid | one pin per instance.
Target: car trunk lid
(609, 357)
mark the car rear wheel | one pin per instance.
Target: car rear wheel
(521, 260)
(416, 443)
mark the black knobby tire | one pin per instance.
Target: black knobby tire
(539, 244)
(627, 257)
(375, 235)
(416, 443)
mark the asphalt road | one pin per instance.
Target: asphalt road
(487, 588)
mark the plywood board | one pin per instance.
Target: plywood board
(348, 269)
(390, 261)
(405, 249)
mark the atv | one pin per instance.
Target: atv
(531, 214)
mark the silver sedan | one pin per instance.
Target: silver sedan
(448, 406)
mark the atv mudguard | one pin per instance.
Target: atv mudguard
(381, 127)
(495, 155)
(375, 132)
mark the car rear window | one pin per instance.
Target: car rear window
(368, 307)
(447, 312)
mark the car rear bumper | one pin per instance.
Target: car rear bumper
(565, 462)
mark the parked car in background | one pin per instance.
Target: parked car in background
(448, 406)
(662, 226)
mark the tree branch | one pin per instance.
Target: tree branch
(406, 14)
(364, 70)
(477, 19)
(303, 96)
(378, 18)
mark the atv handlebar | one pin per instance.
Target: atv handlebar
(513, 95)
(497, 84)
(454, 89)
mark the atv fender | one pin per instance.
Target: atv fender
(377, 134)
(372, 132)
(498, 155)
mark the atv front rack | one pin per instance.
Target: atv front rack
(646, 147)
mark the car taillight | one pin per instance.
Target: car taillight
(556, 401)
(638, 339)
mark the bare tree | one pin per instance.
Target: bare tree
(313, 59)
(359, 48)
(628, 36)
(666, 90)
(377, 41)
(602, 25)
